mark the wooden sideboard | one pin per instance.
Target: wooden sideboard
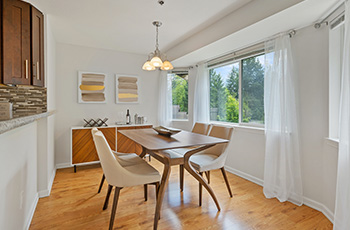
(83, 149)
(125, 145)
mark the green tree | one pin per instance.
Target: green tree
(232, 82)
(252, 90)
(218, 97)
(232, 109)
(180, 92)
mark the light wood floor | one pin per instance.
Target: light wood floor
(75, 204)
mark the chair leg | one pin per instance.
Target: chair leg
(107, 196)
(145, 188)
(226, 181)
(181, 178)
(200, 191)
(207, 173)
(157, 189)
(114, 208)
(101, 183)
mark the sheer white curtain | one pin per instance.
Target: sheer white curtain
(342, 204)
(201, 95)
(282, 176)
(165, 111)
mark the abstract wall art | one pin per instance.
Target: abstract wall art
(91, 87)
(127, 89)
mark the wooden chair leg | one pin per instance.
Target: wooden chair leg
(200, 190)
(114, 208)
(157, 189)
(107, 197)
(207, 173)
(226, 181)
(181, 178)
(145, 188)
(101, 183)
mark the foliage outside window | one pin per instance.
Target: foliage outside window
(241, 82)
(180, 95)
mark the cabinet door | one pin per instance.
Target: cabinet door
(83, 146)
(124, 144)
(16, 42)
(37, 47)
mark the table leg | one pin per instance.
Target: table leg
(198, 177)
(144, 151)
(163, 184)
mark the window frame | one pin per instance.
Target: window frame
(233, 61)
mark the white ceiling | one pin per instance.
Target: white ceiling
(126, 25)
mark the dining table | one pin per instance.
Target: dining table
(154, 144)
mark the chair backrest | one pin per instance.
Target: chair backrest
(220, 132)
(115, 174)
(94, 130)
(201, 128)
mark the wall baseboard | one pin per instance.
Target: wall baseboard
(63, 165)
(31, 212)
(320, 207)
(245, 175)
(307, 201)
(46, 192)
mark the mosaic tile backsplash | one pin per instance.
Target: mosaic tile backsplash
(27, 100)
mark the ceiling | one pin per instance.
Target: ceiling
(126, 25)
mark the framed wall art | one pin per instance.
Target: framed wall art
(91, 87)
(127, 88)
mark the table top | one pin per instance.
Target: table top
(151, 140)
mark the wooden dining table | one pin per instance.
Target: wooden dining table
(154, 144)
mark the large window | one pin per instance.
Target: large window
(237, 91)
(179, 83)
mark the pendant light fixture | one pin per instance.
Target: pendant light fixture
(155, 58)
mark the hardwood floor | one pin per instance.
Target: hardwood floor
(75, 204)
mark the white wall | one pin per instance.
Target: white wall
(18, 176)
(319, 161)
(70, 59)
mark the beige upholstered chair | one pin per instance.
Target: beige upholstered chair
(121, 176)
(214, 157)
(125, 159)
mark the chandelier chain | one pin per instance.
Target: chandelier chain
(157, 45)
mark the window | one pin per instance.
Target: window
(179, 82)
(336, 44)
(237, 91)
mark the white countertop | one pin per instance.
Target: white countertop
(110, 126)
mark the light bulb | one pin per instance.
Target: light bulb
(148, 66)
(167, 66)
(156, 61)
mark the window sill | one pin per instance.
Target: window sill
(332, 142)
(246, 128)
(179, 120)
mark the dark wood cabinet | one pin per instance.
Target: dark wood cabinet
(22, 44)
(37, 37)
(16, 58)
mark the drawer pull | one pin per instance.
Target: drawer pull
(37, 71)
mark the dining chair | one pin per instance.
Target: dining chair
(125, 159)
(119, 176)
(214, 157)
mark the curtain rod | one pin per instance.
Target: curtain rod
(323, 21)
